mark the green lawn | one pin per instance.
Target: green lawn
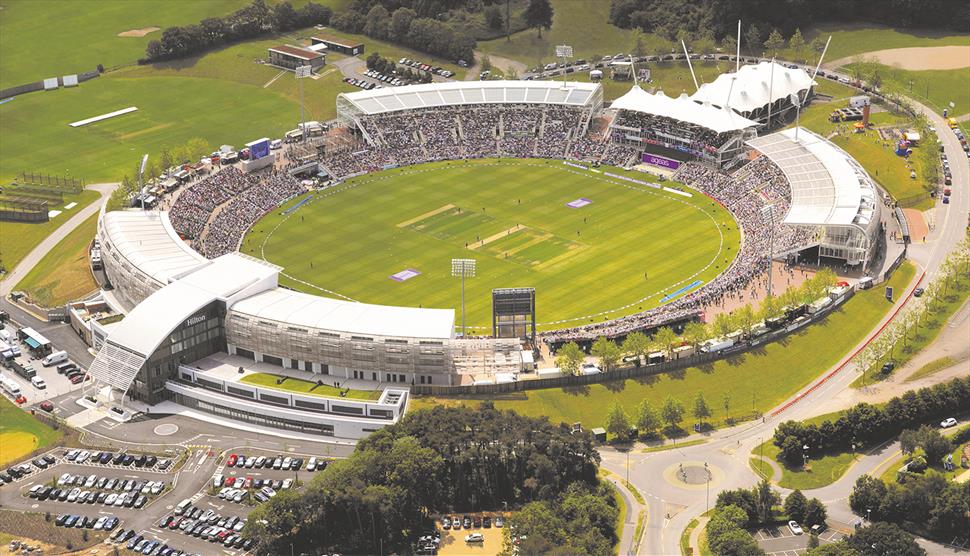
(38, 138)
(869, 38)
(885, 166)
(931, 368)
(758, 380)
(620, 516)
(582, 24)
(422, 217)
(21, 434)
(674, 446)
(935, 88)
(19, 238)
(821, 471)
(917, 339)
(64, 274)
(307, 387)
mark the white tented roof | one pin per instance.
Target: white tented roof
(826, 187)
(753, 86)
(149, 243)
(682, 108)
(322, 313)
(454, 93)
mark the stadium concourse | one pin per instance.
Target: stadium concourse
(179, 272)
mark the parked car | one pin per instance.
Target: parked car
(949, 422)
(795, 528)
(478, 537)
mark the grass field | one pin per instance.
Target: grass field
(64, 273)
(511, 217)
(21, 434)
(821, 471)
(19, 238)
(931, 368)
(756, 381)
(307, 387)
(935, 88)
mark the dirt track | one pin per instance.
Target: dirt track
(916, 58)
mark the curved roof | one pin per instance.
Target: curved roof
(148, 242)
(456, 93)
(682, 108)
(334, 315)
(827, 186)
(753, 86)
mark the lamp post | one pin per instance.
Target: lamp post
(805, 455)
(708, 502)
(301, 73)
(141, 179)
(768, 214)
(463, 268)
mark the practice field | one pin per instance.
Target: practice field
(389, 238)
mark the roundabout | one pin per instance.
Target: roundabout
(595, 246)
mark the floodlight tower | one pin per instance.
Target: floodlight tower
(141, 179)
(768, 214)
(564, 51)
(302, 72)
(463, 268)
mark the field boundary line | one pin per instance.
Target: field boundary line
(426, 215)
(498, 236)
(273, 80)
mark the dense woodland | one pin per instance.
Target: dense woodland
(438, 460)
(718, 18)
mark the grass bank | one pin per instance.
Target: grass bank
(64, 274)
(821, 471)
(756, 381)
(268, 380)
(21, 433)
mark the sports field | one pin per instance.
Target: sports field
(619, 254)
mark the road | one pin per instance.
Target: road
(14, 277)
(672, 505)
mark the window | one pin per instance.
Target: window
(273, 360)
(273, 399)
(240, 392)
(310, 405)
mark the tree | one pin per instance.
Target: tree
(538, 15)
(378, 22)
(701, 410)
(672, 412)
(867, 494)
(791, 453)
(909, 440)
(795, 504)
(695, 333)
(494, 18)
(745, 318)
(770, 308)
(815, 513)
(727, 406)
(665, 338)
(617, 422)
(935, 444)
(840, 548)
(569, 358)
(636, 344)
(796, 42)
(607, 352)
(766, 498)
(888, 539)
(774, 42)
(647, 420)
(723, 324)
(753, 37)
(401, 23)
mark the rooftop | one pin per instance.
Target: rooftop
(682, 108)
(753, 86)
(148, 242)
(827, 186)
(297, 52)
(454, 93)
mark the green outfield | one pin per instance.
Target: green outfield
(618, 255)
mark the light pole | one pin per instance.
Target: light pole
(562, 52)
(463, 268)
(805, 455)
(768, 214)
(708, 503)
(301, 73)
(141, 179)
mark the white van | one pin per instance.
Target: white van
(275, 144)
(9, 386)
(55, 358)
(5, 335)
(38, 383)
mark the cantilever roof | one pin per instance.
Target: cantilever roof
(454, 93)
(148, 242)
(827, 188)
(753, 86)
(682, 108)
(322, 313)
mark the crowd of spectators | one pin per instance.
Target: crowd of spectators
(230, 202)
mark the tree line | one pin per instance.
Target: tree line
(579, 521)
(866, 424)
(925, 504)
(761, 17)
(251, 21)
(436, 460)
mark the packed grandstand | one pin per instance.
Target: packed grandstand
(411, 125)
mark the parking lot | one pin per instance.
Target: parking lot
(780, 541)
(55, 384)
